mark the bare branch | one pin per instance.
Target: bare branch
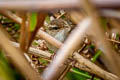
(109, 57)
(110, 13)
(54, 4)
(17, 58)
(23, 32)
(35, 51)
(93, 68)
(12, 16)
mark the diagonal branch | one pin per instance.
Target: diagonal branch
(11, 16)
(109, 57)
(17, 58)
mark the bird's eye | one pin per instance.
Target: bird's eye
(54, 27)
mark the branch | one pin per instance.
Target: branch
(23, 32)
(11, 16)
(109, 57)
(54, 4)
(34, 51)
(17, 58)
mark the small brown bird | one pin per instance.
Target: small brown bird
(59, 29)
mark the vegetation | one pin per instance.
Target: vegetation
(78, 42)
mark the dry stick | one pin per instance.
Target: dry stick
(115, 25)
(104, 12)
(67, 69)
(34, 51)
(23, 32)
(82, 64)
(115, 41)
(11, 15)
(109, 57)
(78, 16)
(30, 61)
(95, 70)
(17, 58)
(53, 4)
(110, 13)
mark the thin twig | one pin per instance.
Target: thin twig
(30, 61)
(118, 42)
(35, 51)
(95, 69)
(65, 72)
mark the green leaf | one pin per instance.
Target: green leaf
(43, 61)
(35, 43)
(82, 75)
(63, 17)
(51, 51)
(96, 56)
(16, 26)
(117, 36)
(33, 21)
(6, 72)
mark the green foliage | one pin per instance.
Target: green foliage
(90, 46)
(43, 61)
(7, 20)
(6, 72)
(35, 43)
(51, 51)
(63, 16)
(9, 29)
(16, 26)
(77, 74)
(33, 21)
(97, 54)
(117, 36)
